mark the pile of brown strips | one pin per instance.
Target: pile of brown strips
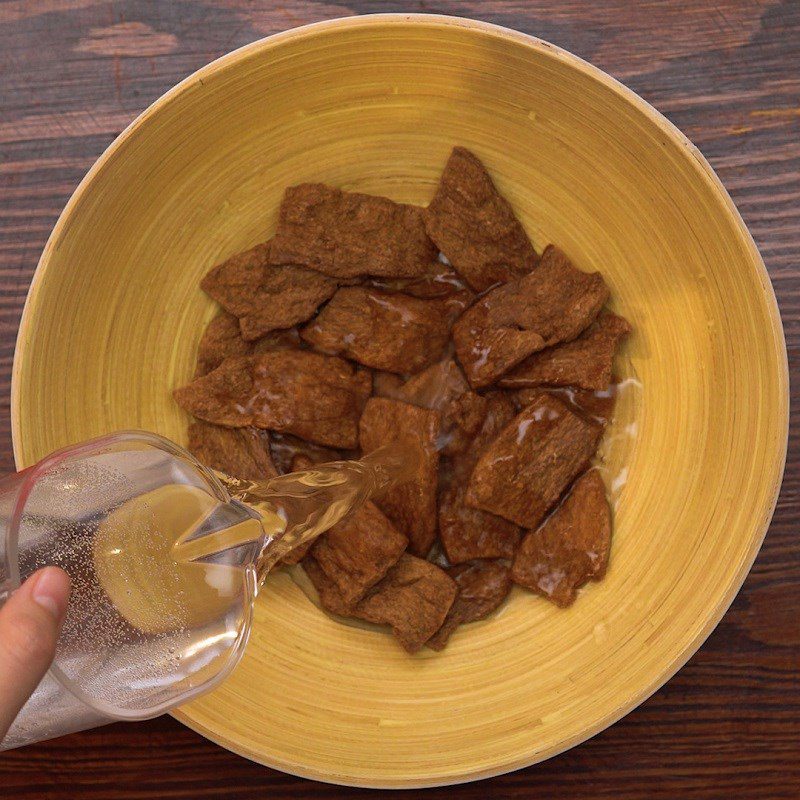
(364, 320)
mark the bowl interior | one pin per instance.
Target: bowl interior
(696, 452)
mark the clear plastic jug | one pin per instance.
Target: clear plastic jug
(142, 633)
(165, 566)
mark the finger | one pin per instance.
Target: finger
(29, 625)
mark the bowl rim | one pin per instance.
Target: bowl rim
(703, 170)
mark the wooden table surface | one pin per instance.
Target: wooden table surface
(73, 73)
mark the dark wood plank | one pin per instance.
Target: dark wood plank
(74, 72)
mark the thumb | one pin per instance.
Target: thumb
(29, 625)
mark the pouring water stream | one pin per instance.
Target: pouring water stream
(294, 508)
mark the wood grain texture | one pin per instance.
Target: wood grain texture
(72, 74)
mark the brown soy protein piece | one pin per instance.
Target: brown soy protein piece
(468, 533)
(570, 547)
(410, 506)
(413, 599)
(482, 588)
(596, 406)
(233, 282)
(221, 339)
(436, 386)
(287, 296)
(488, 353)
(523, 473)
(266, 296)
(462, 418)
(584, 363)
(500, 410)
(442, 387)
(329, 596)
(240, 452)
(316, 397)
(358, 551)
(347, 234)
(556, 302)
(388, 331)
(475, 226)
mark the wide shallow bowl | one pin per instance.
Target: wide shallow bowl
(695, 455)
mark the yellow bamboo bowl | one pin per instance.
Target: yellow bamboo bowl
(374, 104)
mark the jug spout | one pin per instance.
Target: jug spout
(232, 535)
(292, 509)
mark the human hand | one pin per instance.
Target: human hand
(29, 625)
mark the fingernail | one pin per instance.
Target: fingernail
(51, 591)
